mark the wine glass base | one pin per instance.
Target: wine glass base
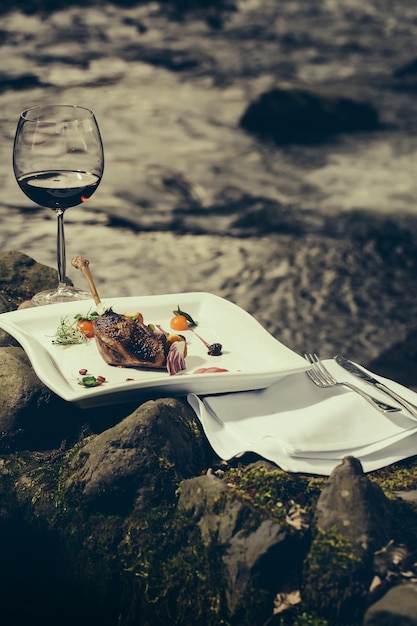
(61, 294)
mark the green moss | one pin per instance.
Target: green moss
(397, 477)
(300, 618)
(156, 554)
(191, 422)
(154, 563)
(271, 491)
(179, 578)
(400, 477)
(165, 463)
(335, 580)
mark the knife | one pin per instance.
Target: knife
(360, 373)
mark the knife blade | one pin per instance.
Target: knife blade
(360, 373)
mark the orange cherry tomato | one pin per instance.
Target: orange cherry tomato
(86, 327)
(179, 322)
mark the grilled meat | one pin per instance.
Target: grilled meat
(126, 342)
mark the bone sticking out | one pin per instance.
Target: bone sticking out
(83, 264)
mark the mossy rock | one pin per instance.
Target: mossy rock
(21, 277)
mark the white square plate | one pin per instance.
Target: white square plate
(253, 358)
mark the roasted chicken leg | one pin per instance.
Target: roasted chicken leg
(126, 342)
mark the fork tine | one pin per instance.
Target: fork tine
(316, 373)
(311, 373)
(324, 372)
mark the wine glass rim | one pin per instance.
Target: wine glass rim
(27, 114)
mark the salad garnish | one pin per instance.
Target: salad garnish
(68, 334)
(74, 332)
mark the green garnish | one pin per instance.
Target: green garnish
(187, 316)
(90, 317)
(67, 333)
(90, 381)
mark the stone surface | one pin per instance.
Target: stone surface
(22, 395)
(243, 548)
(22, 277)
(291, 115)
(126, 463)
(356, 506)
(397, 608)
(352, 520)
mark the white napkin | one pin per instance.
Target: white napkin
(301, 427)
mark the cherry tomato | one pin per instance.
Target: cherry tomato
(86, 327)
(179, 322)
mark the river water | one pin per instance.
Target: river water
(310, 260)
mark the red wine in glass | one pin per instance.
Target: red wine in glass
(58, 161)
(59, 189)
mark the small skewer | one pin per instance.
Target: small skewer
(82, 264)
(214, 349)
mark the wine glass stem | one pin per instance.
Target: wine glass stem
(61, 260)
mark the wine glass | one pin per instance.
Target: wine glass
(58, 163)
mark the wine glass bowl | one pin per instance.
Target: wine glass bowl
(58, 163)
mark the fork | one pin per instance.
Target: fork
(321, 377)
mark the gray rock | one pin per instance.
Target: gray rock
(32, 417)
(198, 496)
(123, 464)
(245, 542)
(21, 276)
(352, 520)
(397, 608)
(356, 506)
(297, 115)
(21, 392)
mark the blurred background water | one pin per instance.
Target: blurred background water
(315, 238)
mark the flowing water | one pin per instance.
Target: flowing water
(315, 259)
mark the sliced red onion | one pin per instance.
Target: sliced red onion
(176, 358)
